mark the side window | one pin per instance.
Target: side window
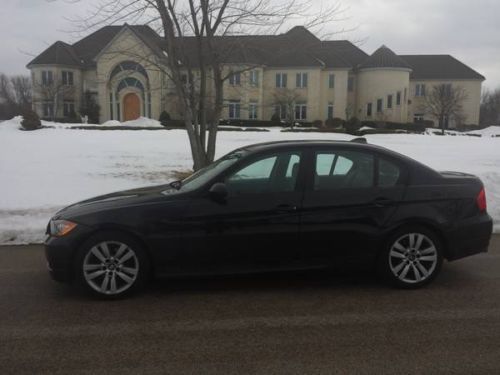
(271, 174)
(389, 173)
(256, 171)
(344, 170)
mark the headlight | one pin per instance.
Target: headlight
(59, 228)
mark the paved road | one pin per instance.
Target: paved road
(292, 324)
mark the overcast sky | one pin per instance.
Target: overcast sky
(466, 29)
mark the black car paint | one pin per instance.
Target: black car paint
(189, 233)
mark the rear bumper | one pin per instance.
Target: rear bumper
(469, 237)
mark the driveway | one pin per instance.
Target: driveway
(280, 324)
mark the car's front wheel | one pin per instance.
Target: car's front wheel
(111, 265)
(412, 258)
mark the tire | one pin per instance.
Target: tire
(111, 265)
(411, 258)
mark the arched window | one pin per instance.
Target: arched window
(129, 82)
(129, 66)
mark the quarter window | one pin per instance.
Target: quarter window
(388, 173)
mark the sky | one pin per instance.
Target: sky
(466, 29)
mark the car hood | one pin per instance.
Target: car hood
(121, 199)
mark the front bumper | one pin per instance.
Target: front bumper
(469, 237)
(60, 253)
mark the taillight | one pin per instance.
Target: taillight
(481, 200)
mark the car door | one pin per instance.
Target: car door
(350, 196)
(256, 227)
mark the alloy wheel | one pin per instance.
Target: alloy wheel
(413, 258)
(110, 267)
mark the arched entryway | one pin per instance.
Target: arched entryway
(131, 107)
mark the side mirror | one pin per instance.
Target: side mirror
(218, 192)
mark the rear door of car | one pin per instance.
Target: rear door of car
(350, 196)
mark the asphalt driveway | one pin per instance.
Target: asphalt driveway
(280, 324)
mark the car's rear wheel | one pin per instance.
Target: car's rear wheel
(111, 265)
(412, 258)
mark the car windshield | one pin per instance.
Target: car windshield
(204, 175)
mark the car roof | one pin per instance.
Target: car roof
(355, 144)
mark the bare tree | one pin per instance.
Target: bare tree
(54, 92)
(286, 100)
(490, 108)
(197, 65)
(444, 103)
(15, 95)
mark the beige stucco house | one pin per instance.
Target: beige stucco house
(124, 68)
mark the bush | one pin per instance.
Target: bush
(31, 121)
(317, 124)
(275, 118)
(164, 118)
(411, 127)
(352, 125)
(90, 108)
(334, 123)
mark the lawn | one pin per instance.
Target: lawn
(44, 170)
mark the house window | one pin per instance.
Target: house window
(331, 81)
(329, 113)
(300, 111)
(69, 109)
(419, 89)
(398, 98)
(301, 80)
(281, 80)
(67, 78)
(389, 101)
(252, 111)
(280, 110)
(47, 78)
(447, 88)
(253, 78)
(369, 110)
(235, 79)
(350, 84)
(380, 105)
(48, 109)
(418, 117)
(234, 109)
(406, 94)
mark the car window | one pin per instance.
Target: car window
(344, 170)
(276, 173)
(388, 173)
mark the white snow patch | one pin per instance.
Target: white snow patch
(44, 170)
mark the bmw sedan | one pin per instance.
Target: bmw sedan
(271, 207)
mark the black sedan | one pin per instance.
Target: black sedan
(275, 206)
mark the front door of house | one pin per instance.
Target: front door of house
(131, 107)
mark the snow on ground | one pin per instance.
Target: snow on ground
(44, 170)
(141, 122)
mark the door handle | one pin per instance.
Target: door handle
(382, 202)
(283, 208)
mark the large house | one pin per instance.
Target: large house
(124, 67)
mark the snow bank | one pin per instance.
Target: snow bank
(44, 170)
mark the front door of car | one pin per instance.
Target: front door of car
(349, 198)
(256, 226)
